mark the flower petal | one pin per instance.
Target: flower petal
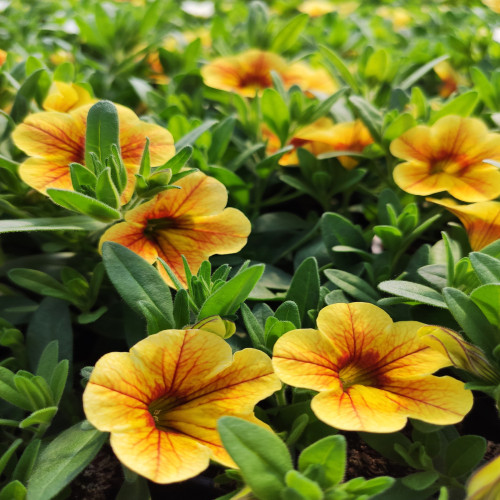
(41, 174)
(161, 456)
(305, 358)
(51, 135)
(360, 408)
(354, 328)
(64, 97)
(415, 178)
(481, 183)
(484, 484)
(481, 220)
(131, 236)
(413, 145)
(436, 400)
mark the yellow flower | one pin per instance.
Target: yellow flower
(250, 72)
(161, 401)
(53, 140)
(481, 220)
(190, 221)
(399, 16)
(451, 79)
(316, 8)
(3, 57)
(484, 484)
(448, 156)
(371, 374)
(323, 136)
(494, 5)
(61, 56)
(462, 355)
(65, 97)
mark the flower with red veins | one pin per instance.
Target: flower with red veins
(161, 401)
(449, 156)
(481, 220)
(371, 374)
(53, 140)
(66, 97)
(484, 484)
(250, 72)
(190, 221)
(450, 77)
(323, 136)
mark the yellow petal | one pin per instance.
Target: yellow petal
(413, 145)
(41, 174)
(305, 358)
(481, 220)
(131, 236)
(436, 400)
(359, 408)
(161, 456)
(51, 135)
(65, 97)
(477, 184)
(484, 484)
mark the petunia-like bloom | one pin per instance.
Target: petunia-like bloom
(323, 136)
(250, 72)
(462, 355)
(484, 484)
(448, 156)
(161, 401)
(190, 221)
(481, 220)
(450, 77)
(3, 57)
(317, 8)
(53, 140)
(66, 97)
(371, 374)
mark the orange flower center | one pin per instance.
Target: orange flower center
(155, 225)
(448, 165)
(160, 408)
(257, 80)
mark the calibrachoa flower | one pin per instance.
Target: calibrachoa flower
(66, 97)
(371, 374)
(448, 156)
(250, 72)
(462, 355)
(161, 401)
(451, 79)
(481, 220)
(484, 484)
(190, 221)
(53, 140)
(323, 136)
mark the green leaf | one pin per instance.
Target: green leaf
(71, 223)
(221, 137)
(9, 391)
(262, 457)
(105, 189)
(84, 204)
(331, 454)
(190, 138)
(464, 454)
(487, 298)
(338, 230)
(306, 488)
(58, 380)
(471, 319)
(181, 309)
(413, 291)
(136, 280)
(485, 88)
(25, 94)
(275, 113)
(48, 360)
(289, 34)
(24, 466)
(227, 299)
(102, 131)
(340, 65)
(400, 125)
(352, 284)
(51, 322)
(288, 311)
(420, 480)
(487, 268)
(463, 105)
(82, 178)
(419, 73)
(14, 490)
(42, 416)
(304, 288)
(38, 282)
(4, 459)
(62, 460)
(275, 329)
(254, 328)
(178, 160)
